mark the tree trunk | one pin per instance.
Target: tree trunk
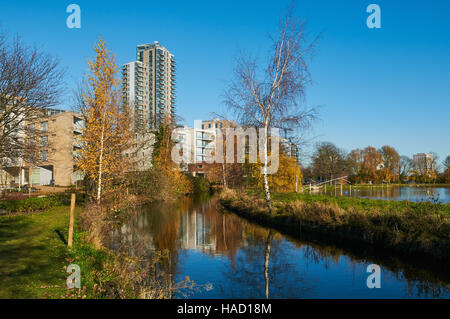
(100, 167)
(224, 175)
(266, 180)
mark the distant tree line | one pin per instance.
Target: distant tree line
(373, 165)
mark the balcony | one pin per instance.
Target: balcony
(76, 143)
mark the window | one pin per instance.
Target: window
(209, 125)
(44, 156)
(44, 127)
(44, 141)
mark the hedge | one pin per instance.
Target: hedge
(34, 204)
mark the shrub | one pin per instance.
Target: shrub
(29, 205)
(199, 184)
(34, 204)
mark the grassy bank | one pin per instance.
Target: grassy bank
(404, 227)
(34, 256)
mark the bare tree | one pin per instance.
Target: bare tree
(269, 96)
(30, 82)
(328, 161)
(446, 163)
(405, 167)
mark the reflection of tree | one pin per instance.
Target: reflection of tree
(255, 252)
(266, 261)
(420, 281)
(265, 256)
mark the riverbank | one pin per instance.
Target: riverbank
(33, 254)
(34, 257)
(404, 227)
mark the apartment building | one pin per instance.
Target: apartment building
(149, 85)
(199, 143)
(290, 148)
(423, 161)
(135, 86)
(53, 133)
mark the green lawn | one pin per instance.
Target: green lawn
(364, 204)
(33, 254)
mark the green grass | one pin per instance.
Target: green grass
(364, 204)
(32, 254)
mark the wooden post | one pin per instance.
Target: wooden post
(350, 193)
(296, 188)
(71, 217)
(310, 188)
(325, 188)
(341, 189)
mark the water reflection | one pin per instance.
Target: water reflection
(242, 260)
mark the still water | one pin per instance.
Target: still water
(409, 193)
(229, 257)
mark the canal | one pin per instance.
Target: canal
(229, 257)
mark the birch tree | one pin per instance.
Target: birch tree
(107, 133)
(271, 94)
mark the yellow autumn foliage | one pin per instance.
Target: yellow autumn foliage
(162, 161)
(107, 133)
(289, 175)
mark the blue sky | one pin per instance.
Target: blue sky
(374, 86)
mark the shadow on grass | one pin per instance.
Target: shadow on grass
(61, 236)
(32, 253)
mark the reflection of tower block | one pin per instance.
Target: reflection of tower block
(189, 230)
(195, 233)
